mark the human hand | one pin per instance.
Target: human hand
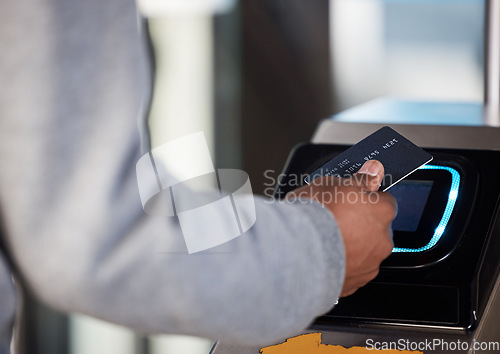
(364, 217)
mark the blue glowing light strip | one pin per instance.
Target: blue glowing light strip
(452, 198)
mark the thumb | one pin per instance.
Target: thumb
(372, 174)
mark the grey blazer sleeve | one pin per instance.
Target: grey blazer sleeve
(72, 80)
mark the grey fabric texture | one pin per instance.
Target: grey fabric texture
(73, 76)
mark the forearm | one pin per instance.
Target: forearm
(131, 268)
(84, 244)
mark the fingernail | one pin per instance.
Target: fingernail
(371, 168)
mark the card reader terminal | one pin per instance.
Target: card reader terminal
(445, 259)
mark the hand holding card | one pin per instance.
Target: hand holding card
(363, 216)
(399, 156)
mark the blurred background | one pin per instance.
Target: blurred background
(257, 76)
(420, 50)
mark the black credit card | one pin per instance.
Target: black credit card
(399, 156)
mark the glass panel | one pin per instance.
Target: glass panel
(423, 50)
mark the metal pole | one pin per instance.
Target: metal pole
(492, 64)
